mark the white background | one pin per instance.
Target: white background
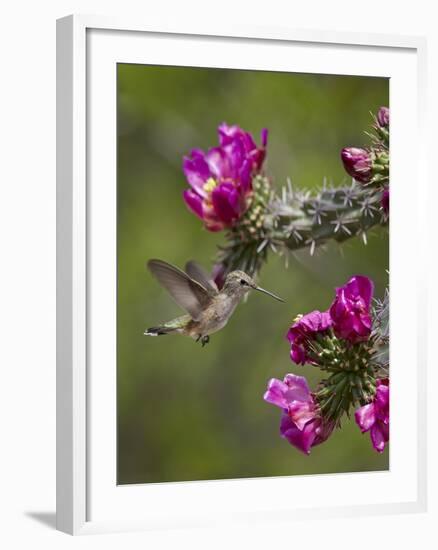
(27, 304)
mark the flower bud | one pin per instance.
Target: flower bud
(358, 163)
(383, 117)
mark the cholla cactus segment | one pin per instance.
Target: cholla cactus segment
(341, 392)
(296, 219)
(355, 364)
(380, 337)
(355, 368)
(348, 342)
(352, 381)
(247, 242)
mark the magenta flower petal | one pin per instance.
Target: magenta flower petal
(292, 389)
(358, 163)
(218, 163)
(385, 200)
(301, 439)
(374, 417)
(194, 202)
(297, 388)
(236, 155)
(213, 226)
(316, 321)
(211, 219)
(313, 433)
(222, 177)
(365, 417)
(228, 133)
(245, 176)
(303, 331)
(276, 393)
(258, 156)
(232, 134)
(248, 142)
(298, 354)
(382, 401)
(383, 117)
(301, 413)
(360, 286)
(301, 423)
(349, 311)
(197, 173)
(226, 202)
(379, 436)
(323, 431)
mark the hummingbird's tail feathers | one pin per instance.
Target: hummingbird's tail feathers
(158, 331)
(173, 326)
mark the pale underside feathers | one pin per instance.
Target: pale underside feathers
(187, 291)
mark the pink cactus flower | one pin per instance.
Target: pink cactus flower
(383, 117)
(221, 179)
(301, 422)
(303, 330)
(374, 417)
(358, 163)
(350, 311)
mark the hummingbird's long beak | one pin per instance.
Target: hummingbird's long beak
(260, 289)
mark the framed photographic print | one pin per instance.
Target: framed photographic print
(232, 282)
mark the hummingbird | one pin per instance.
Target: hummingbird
(208, 308)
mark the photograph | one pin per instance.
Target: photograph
(252, 274)
(200, 221)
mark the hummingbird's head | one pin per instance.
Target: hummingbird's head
(238, 283)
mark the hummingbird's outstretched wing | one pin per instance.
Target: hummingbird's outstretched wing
(198, 273)
(187, 293)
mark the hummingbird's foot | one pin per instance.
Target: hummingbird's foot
(205, 340)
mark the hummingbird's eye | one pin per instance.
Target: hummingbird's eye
(243, 282)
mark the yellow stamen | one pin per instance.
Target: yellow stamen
(209, 185)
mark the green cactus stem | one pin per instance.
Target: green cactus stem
(380, 337)
(297, 219)
(353, 368)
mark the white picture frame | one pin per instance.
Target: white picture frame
(87, 502)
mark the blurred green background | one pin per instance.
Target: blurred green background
(192, 413)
